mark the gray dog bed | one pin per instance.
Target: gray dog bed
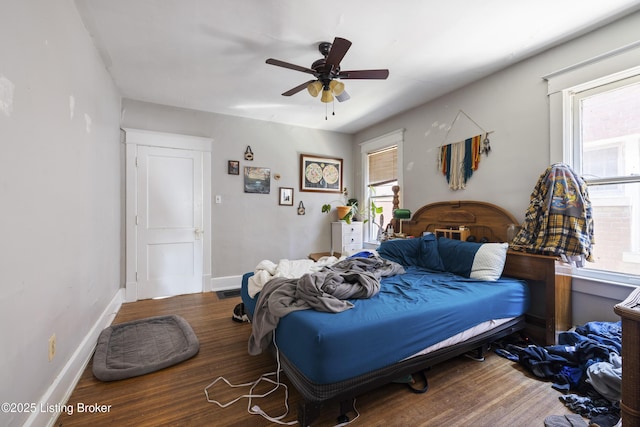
(141, 346)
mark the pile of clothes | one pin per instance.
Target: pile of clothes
(586, 365)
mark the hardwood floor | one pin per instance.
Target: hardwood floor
(496, 392)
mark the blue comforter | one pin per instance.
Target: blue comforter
(410, 313)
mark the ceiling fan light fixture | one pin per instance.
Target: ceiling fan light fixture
(327, 96)
(325, 70)
(314, 88)
(336, 87)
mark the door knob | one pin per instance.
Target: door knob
(198, 232)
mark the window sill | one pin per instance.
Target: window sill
(601, 289)
(607, 285)
(606, 277)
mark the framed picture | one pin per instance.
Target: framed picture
(233, 168)
(286, 196)
(257, 180)
(320, 174)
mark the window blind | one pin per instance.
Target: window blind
(383, 166)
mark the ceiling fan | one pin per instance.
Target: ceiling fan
(327, 72)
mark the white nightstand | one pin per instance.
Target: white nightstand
(346, 239)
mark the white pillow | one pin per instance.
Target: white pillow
(488, 262)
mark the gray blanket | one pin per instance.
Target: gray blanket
(326, 290)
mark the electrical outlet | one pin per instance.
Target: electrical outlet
(52, 347)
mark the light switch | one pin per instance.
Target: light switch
(218, 198)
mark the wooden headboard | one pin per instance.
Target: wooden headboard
(484, 220)
(491, 221)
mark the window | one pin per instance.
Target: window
(381, 160)
(604, 147)
(382, 176)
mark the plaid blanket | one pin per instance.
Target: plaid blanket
(559, 219)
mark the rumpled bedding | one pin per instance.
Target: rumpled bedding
(326, 290)
(290, 269)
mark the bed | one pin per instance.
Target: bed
(451, 299)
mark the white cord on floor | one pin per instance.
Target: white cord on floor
(255, 409)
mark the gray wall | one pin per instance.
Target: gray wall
(249, 228)
(60, 195)
(512, 103)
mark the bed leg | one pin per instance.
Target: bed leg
(346, 406)
(478, 353)
(308, 412)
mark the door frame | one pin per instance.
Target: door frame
(132, 139)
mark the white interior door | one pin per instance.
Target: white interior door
(169, 222)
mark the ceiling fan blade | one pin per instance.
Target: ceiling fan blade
(298, 88)
(344, 96)
(283, 64)
(364, 74)
(339, 49)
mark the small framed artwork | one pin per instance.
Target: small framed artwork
(320, 174)
(286, 196)
(257, 180)
(233, 168)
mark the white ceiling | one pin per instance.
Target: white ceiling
(210, 55)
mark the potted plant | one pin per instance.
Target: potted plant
(373, 211)
(349, 209)
(345, 210)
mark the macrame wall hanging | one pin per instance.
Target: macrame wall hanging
(457, 161)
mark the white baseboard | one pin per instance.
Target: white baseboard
(62, 387)
(226, 283)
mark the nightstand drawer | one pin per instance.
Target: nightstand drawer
(346, 238)
(348, 250)
(352, 230)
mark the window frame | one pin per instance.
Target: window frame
(571, 99)
(573, 151)
(394, 138)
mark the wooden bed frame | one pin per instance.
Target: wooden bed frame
(488, 221)
(484, 221)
